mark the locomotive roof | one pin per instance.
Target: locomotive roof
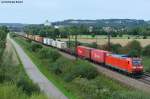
(120, 55)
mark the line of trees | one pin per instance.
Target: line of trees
(63, 32)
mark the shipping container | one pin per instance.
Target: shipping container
(84, 52)
(26, 35)
(30, 37)
(61, 45)
(54, 43)
(39, 39)
(98, 55)
(36, 37)
(47, 41)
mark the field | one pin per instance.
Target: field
(101, 40)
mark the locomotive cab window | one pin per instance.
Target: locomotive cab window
(137, 62)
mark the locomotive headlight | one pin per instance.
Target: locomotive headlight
(134, 67)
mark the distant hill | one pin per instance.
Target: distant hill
(116, 23)
(129, 23)
(17, 27)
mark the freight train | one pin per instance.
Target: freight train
(124, 63)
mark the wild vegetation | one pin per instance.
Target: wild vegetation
(78, 79)
(14, 83)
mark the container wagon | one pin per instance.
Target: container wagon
(84, 52)
(39, 39)
(61, 45)
(47, 41)
(54, 44)
(99, 56)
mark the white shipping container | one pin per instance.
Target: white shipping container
(61, 45)
(54, 43)
(45, 40)
(48, 41)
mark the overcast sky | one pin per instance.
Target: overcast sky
(37, 11)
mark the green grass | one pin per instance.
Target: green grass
(81, 87)
(146, 63)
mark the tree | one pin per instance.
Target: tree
(134, 45)
(56, 33)
(146, 50)
(114, 34)
(134, 53)
(135, 31)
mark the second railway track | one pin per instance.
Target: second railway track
(145, 78)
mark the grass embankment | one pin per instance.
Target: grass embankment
(146, 63)
(77, 79)
(14, 82)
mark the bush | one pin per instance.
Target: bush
(134, 45)
(13, 35)
(103, 88)
(1, 52)
(133, 53)
(4, 78)
(144, 37)
(120, 34)
(62, 66)
(93, 45)
(129, 95)
(27, 86)
(2, 44)
(115, 48)
(51, 54)
(10, 91)
(37, 96)
(72, 43)
(146, 50)
(35, 47)
(70, 69)
(8, 71)
(93, 89)
(81, 69)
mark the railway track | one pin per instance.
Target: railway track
(145, 78)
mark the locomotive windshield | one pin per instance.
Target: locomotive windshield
(137, 62)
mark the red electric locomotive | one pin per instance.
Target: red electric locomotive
(124, 63)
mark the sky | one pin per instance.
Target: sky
(38, 11)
